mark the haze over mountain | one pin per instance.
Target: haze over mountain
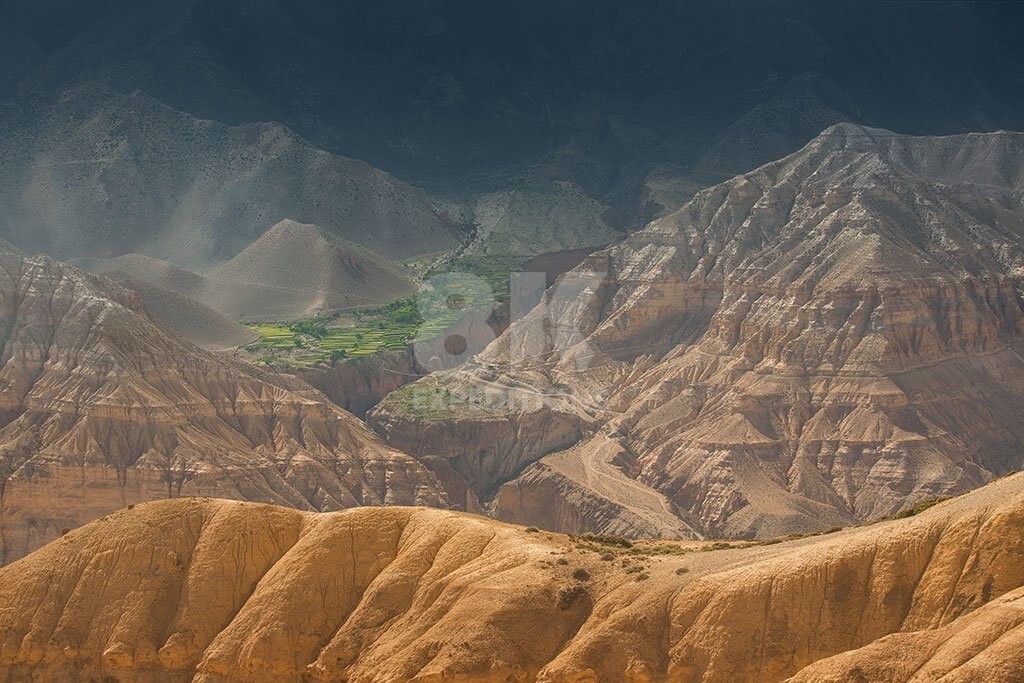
(585, 108)
(93, 173)
(102, 407)
(213, 590)
(294, 270)
(820, 341)
(193, 320)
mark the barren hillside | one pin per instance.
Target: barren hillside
(95, 173)
(101, 407)
(823, 340)
(294, 270)
(211, 590)
(197, 322)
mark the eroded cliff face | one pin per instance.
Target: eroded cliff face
(824, 340)
(206, 590)
(102, 407)
(358, 384)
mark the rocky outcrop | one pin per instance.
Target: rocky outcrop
(827, 339)
(486, 437)
(358, 384)
(206, 590)
(101, 407)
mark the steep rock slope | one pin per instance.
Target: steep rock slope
(296, 269)
(538, 220)
(823, 340)
(357, 384)
(99, 174)
(101, 407)
(209, 590)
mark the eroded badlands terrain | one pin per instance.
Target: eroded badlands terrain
(207, 590)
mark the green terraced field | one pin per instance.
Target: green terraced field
(431, 313)
(373, 330)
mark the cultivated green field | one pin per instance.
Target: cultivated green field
(470, 286)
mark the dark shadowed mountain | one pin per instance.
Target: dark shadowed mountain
(626, 109)
(97, 174)
(616, 99)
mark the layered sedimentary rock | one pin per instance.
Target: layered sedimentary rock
(103, 407)
(824, 340)
(357, 384)
(205, 590)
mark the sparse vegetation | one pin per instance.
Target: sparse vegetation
(720, 545)
(659, 549)
(494, 269)
(919, 508)
(606, 539)
(569, 595)
(419, 400)
(581, 574)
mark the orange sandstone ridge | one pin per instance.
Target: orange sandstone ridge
(213, 590)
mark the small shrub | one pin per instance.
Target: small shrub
(682, 570)
(607, 539)
(919, 508)
(568, 596)
(581, 575)
(718, 545)
(563, 561)
(643, 576)
(662, 550)
(532, 530)
(608, 557)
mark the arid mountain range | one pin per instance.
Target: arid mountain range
(576, 341)
(768, 359)
(820, 341)
(94, 173)
(147, 127)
